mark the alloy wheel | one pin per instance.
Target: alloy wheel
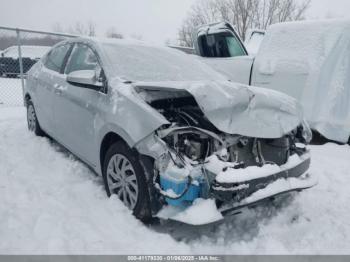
(31, 118)
(121, 179)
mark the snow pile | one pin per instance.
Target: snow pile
(201, 212)
(228, 174)
(52, 204)
(311, 62)
(232, 175)
(10, 92)
(279, 186)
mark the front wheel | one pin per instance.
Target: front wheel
(124, 176)
(32, 120)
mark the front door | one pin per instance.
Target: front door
(75, 106)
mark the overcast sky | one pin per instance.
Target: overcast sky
(156, 20)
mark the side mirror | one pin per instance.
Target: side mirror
(84, 78)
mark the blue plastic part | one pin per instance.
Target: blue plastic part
(178, 187)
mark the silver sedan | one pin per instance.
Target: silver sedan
(164, 130)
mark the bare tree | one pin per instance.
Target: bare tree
(243, 14)
(91, 28)
(112, 32)
(202, 12)
(57, 28)
(79, 28)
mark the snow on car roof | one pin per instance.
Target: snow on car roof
(27, 51)
(214, 28)
(106, 40)
(318, 37)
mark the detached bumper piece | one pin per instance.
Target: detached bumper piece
(235, 196)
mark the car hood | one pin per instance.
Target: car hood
(235, 108)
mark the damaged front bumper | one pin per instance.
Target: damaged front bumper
(276, 188)
(240, 192)
(231, 198)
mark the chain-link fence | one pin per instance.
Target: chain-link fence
(20, 49)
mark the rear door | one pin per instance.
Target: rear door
(45, 80)
(221, 48)
(75, 106)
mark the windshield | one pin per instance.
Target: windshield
(148, 63)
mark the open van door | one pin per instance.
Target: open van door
(220, 47)
(254, 38)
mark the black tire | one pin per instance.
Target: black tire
(142, 208)
(32, 120)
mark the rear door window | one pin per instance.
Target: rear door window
(55, 59)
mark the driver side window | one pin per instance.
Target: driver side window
(220, 45)
(82, 58)
(55, 59)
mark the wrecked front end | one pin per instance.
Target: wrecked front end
(201, 173)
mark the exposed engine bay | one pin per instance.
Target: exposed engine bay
(193, 136)
(198, 155)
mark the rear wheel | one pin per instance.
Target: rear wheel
(32, 120)
(124, 176)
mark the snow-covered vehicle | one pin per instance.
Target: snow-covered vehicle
(9, 60)
(171, 137)
(308, 60)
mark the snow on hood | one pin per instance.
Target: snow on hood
(239, 109)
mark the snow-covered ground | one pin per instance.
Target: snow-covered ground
(10, 92)
(52, 203)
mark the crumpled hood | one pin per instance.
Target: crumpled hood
(239, 109)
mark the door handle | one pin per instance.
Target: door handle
(58, 89)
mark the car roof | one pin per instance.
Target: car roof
(112, 41)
